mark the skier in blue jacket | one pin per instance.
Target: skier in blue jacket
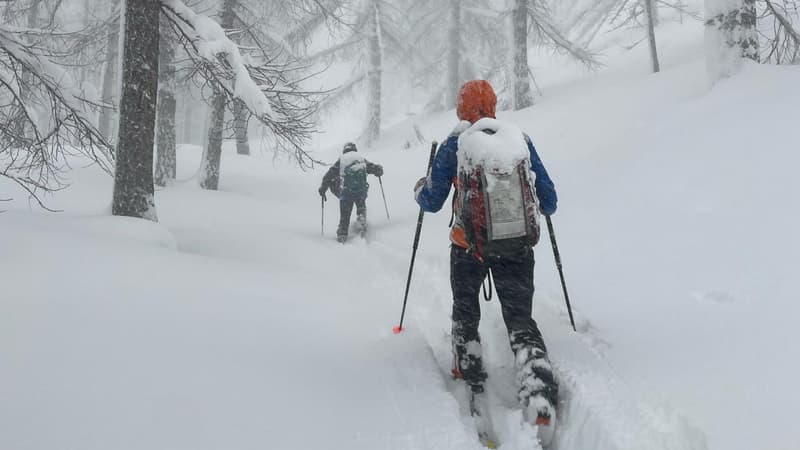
(511, 267)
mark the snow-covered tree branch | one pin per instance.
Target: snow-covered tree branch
(265, 87)
(44, 115)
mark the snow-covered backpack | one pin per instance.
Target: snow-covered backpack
(352, 176)
(496, 201)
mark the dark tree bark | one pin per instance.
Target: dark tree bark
(522, 85)
(209, 175)
(454, 80)
(241, 118)
(133, 179)
(650, 12)
(165, 162)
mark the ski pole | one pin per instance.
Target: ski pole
(399, 328)
(384, 199)
(322, 222)
(560, 270)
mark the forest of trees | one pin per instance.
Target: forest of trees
(123, 82)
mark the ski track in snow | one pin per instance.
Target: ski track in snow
(597, 410)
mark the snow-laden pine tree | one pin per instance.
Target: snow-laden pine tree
(133, 177)
(730, 36)
(256, 75)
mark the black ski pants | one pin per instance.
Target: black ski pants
(513, 279)
(346, 210)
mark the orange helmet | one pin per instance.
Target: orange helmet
(476, 100)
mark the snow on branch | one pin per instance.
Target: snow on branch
(212, 44)
(266, 88)
(44, 117)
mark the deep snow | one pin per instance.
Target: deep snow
(233, 324)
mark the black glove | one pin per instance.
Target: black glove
(379, 171)
(322, 190)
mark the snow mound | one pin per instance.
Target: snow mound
(126, 229)
(495, 145)
(352, 160)
(72, 231)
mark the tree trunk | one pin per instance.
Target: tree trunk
(454, 80)
(649, 8)
(109, 83)
(656, 16)
(133, 179)
(522, 85)
(730, 36)
(241, 117)
(32, 22)
(374, 75)
(188, 119)
(209, 173)
(84, 72)
(165, 162)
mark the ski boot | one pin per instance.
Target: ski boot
(542, 414)
(538, 392)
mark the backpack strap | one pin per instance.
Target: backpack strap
(453, 208)
(465, 213)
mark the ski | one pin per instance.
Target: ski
(479, 409)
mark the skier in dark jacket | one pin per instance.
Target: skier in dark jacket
(347, 180)
(512, 270)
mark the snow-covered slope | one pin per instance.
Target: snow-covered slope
(233, 324)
